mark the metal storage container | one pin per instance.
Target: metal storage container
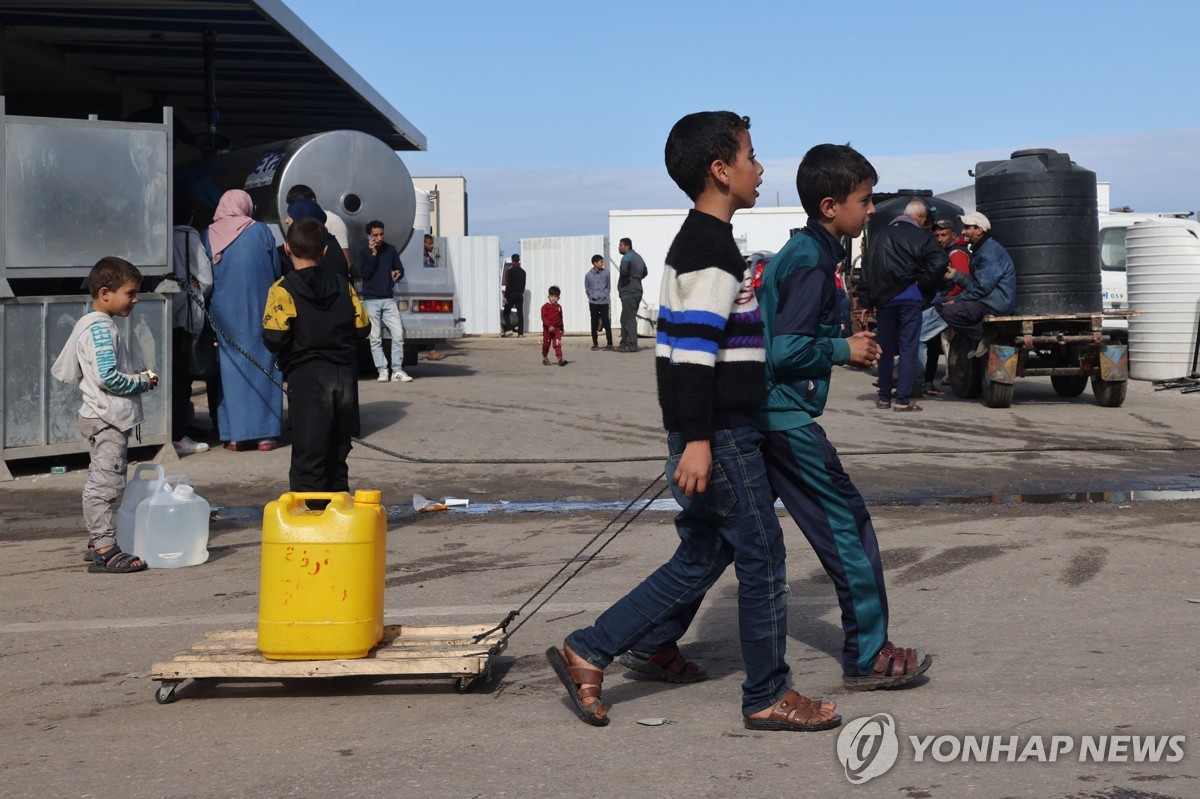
(1042, 207)
(353, 174)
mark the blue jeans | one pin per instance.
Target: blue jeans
(897, 327)
(385, 313)
(733, 521)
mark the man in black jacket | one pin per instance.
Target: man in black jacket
(902, 268)
(514, 296)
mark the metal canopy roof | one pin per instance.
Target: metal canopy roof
(275, 78)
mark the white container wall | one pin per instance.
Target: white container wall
(652, 231)
(1163, 272)
(563, 261)
(475, 263)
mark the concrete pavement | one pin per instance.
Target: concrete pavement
(1069, 619)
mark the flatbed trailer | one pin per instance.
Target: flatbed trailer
(1071, 349)
(404, 651)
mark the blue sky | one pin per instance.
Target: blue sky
(556, 112)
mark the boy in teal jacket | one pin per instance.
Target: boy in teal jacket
(803, 342)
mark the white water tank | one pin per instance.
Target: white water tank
(1163, 269)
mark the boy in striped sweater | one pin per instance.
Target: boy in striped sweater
(711, 378)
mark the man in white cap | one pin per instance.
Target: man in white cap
(990, 288)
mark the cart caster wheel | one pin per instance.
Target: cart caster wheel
(463, 684)
(165, 694)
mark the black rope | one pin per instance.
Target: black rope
(513, 614)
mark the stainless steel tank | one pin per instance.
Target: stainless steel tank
(353, 174)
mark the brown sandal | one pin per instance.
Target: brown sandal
(582, 684)
(796, 713)
(893, 666)
(668, 665)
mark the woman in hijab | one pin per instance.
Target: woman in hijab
(245, 264)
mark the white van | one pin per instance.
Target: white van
(1113, 227)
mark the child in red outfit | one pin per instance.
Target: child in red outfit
(552, 327)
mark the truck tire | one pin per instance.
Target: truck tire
(1109, 393)
(966, 374)
(1069, 385)
(996, 395)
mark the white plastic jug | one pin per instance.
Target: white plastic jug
(171, 529)
(147, 479)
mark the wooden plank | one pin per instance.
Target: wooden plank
(383, 654)
(390, 632)
(289, 669)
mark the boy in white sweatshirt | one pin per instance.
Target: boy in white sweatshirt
(96, 359)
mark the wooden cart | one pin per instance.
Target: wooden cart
(405, 651)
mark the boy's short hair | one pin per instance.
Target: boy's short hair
(428, 237)
(597, 257)
(831, 170)
(112, 273)
(696, 141)
(628, 242)
(516, 258)
(307, 239)
(554, 291)
(374, 223)
(300, 192)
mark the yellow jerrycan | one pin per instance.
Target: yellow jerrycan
(321, 587)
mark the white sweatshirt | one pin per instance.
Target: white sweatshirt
(96, 359)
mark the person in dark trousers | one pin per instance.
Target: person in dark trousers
(598, 287)
(903, 266)
(514, 296)
(947, 231)
(629, 289)
(710, 367)
(313, 320)
(191, 267)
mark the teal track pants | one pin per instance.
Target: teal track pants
(804, 471)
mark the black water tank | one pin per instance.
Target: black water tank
(1043, 211)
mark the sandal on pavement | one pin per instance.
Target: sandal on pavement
(911, 407)
(434, 356)
(668, 665)
(796, 713)
(893, 666)
(883, 404)
(114, 561)
(582, 684)
(931, 391)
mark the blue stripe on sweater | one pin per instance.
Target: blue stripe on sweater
(691, 317)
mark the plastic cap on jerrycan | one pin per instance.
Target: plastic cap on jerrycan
(321, 583)
(171, 528)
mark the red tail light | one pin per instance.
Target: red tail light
(434, 306)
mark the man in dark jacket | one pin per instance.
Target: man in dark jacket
(514, 296)
(902, 269)
(380, 266)
(990, 288)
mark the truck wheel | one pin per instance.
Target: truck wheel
(996, 395)
(1109, 393)
(966, 374)
(1069, 385)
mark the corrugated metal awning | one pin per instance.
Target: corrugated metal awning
(275, 78)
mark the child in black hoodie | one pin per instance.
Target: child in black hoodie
(313, 320)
